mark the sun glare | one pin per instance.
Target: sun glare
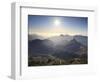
(57, 22)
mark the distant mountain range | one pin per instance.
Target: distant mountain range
(61, 39)
(35, 36)
(60, 46)
(57, 50)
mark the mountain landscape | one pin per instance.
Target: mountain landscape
(57, 50)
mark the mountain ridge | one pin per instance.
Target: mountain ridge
(58, 48)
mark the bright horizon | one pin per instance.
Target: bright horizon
(49, 26)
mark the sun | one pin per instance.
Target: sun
(57, 22)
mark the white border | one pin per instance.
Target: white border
(19, 46)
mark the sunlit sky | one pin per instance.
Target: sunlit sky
(56, 25)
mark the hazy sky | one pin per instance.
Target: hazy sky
(56, 25)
